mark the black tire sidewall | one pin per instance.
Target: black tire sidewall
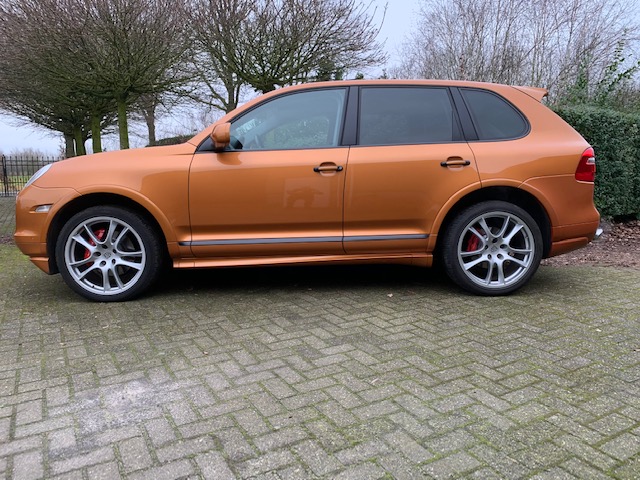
(147, 235)
(449, 250)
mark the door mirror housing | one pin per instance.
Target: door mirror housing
(221, 136)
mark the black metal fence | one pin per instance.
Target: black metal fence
(17, 170)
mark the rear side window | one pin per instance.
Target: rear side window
(405, 115)
(493, 116)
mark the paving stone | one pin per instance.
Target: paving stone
(160, 431)
(134, 454)
(623, 446)
(28, 466)
(169, 471)
(185, 448)
(214, 466)
(452, 466)
(104, 471)
(266, 463)
(315, 457)
(83, 460)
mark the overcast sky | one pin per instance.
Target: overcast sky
(14, 136)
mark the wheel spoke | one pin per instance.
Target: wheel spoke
(121, 235)
(500, 269)
(108, 238)
(82, 275)
(106, 284)
(85, 261)
(505, 225)
(92, 235)
(474, 263)
(80, 239)
(522, 263)
(516, 229)
(487, 278)
(137, 253)
(117, 278)
(125, 263)
(485, 227)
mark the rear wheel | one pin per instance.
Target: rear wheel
(108, 254)
(492, 248)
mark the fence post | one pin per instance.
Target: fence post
(5, 177)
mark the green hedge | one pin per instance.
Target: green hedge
(171, 140)
(615, 137)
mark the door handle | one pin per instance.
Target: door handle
(327, 167)
(455, 162)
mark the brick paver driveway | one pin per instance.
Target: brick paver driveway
(334, 373)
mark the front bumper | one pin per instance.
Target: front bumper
(32, 226)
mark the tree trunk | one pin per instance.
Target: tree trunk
(149, 112)
(69, 146)
(79, 139)
(123, 126)
(96, 137)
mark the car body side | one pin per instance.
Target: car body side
(536, 172)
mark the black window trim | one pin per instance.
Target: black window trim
(473, 135)
(206, 146)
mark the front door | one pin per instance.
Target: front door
(278, 191)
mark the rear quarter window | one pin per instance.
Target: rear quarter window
(494, 117)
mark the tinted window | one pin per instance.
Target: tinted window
(493, 116)
(310, 119)
(405, 115)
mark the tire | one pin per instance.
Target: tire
(108, 254)
(492, 248)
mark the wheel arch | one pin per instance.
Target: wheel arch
(516, 196)
(91, 200)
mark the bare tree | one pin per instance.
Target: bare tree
(34, 82)
(139, 49)
(271, 43)
(93, 57)
(534, 42)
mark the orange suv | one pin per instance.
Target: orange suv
(482, 176)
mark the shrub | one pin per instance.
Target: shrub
(615, 137)
(171, 140)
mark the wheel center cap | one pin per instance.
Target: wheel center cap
(107, 255)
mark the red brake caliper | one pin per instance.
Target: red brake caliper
(99, 233)
(473, 243)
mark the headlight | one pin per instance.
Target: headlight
(38, 174)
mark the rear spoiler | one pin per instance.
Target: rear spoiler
(534, 92)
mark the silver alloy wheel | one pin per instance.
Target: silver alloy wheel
(496, 249)
(105, 255)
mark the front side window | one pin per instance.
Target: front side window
(309, 119)
(406, 115)
(493, 116)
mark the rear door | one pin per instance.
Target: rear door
(410, 159)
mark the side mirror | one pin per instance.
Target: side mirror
(221, 136)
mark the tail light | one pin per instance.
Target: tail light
(586, 171)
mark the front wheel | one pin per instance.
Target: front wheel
(492, 248)
(108, 254)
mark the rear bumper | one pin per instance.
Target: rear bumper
(572, 237)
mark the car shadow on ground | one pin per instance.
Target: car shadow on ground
(313, 277)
